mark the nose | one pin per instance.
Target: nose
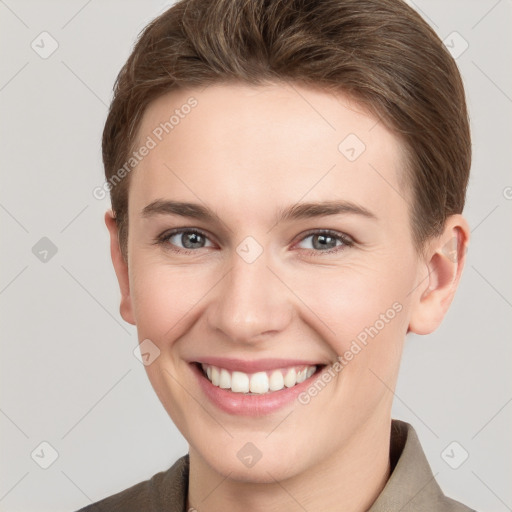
(251, 302)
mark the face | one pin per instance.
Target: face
(269, 238)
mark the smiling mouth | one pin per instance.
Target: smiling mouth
(258, 383)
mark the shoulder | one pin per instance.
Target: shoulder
(455, 506)
(168, 487)
(412, 486)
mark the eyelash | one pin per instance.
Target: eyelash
(347, 242)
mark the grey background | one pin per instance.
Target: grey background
(69, 376)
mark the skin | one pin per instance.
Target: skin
(247, 152)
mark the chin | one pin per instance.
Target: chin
(266, 465)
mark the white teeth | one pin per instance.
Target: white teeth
(240, 382)
(276, 381)
(224, 379)
(301, 376)
(215, 376)
(259, 382)
(290, 378)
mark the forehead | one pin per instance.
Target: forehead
(240, 147)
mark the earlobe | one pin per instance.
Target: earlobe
(445, 259)
(121, 268)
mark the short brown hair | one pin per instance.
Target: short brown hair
(380, 52)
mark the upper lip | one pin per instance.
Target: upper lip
(253, 366)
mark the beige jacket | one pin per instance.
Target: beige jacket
(410, 488)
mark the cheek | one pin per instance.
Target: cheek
(365, 310)
(163, 296)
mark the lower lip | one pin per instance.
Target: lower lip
(250, 405)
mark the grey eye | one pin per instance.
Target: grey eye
(322, 241)
(189, 239)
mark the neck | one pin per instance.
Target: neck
(352, 476)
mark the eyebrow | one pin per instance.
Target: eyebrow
(294, 212)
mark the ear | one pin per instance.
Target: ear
(439, 275)
(121, 268)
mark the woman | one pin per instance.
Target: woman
(287, 182)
